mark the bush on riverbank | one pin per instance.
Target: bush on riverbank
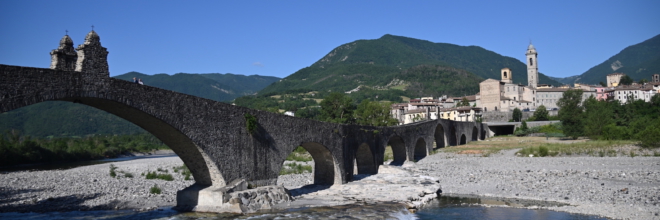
(299, 154)
(155, 190)
(598, 148)
(162, 176)
(17, 149)
(295, 168)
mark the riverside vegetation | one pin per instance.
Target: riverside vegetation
(20, 149)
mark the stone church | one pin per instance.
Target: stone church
(504, 95)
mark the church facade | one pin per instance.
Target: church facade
(504, 95)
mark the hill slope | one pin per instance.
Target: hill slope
(638, 61)
(71, 119)
(378, 62)
(215, 86)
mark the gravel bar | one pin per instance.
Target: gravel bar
(613, 187)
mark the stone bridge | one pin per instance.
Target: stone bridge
(212, 137)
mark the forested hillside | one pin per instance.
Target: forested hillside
(379, 62)
(638, 61)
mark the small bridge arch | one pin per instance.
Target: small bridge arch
(398, 150)
(364, 157)
(326, 169)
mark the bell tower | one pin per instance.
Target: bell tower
(92, 57)
(532, 66)
(64, 57)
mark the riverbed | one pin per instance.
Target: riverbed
(613, 187)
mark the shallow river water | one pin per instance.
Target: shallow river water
(446, 207)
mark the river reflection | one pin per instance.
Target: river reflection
(446, 207)
(470, 207)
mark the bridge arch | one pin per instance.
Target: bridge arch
(200, 164)
(452, 136)
(326, 171)
(463, 140)
(420, 149)
(440, 136)
(475, 134)
(398, 149)
(365, 160)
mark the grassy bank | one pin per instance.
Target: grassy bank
(596, 148)
(542, 146)
(16, 149)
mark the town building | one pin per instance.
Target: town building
(626, 93)
(614, 79)
(504, 96)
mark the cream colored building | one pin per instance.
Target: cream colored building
(504, 95)
(460, 114)
(614, 79)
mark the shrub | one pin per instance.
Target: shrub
(154, 175)
(250, 123)
(650, 137)
(543, 151)
(155, 190)
(295, 168)
(112, 170)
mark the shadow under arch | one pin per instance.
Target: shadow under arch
(398, 149)
(365, 160)
(440, 136)
(326, 171)
(420, 149)
(463, 139)
(452, 138)
(201, 166)
(475, 134)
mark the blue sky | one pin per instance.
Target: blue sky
(277, 38)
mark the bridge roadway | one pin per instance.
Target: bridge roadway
(212, 138)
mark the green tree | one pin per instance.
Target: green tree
(517, 115)
(524, 126)
(597, 115)
(570, 113)
(374, 113)
(602, 84)
(337, 108)
(642, 81)
(650, 137)
(625, 80)
(463, 102)
(310, 112)
(541, 114)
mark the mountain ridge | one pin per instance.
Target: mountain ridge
(639, 61)
(377, 62)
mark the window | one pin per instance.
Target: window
(530, 62)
